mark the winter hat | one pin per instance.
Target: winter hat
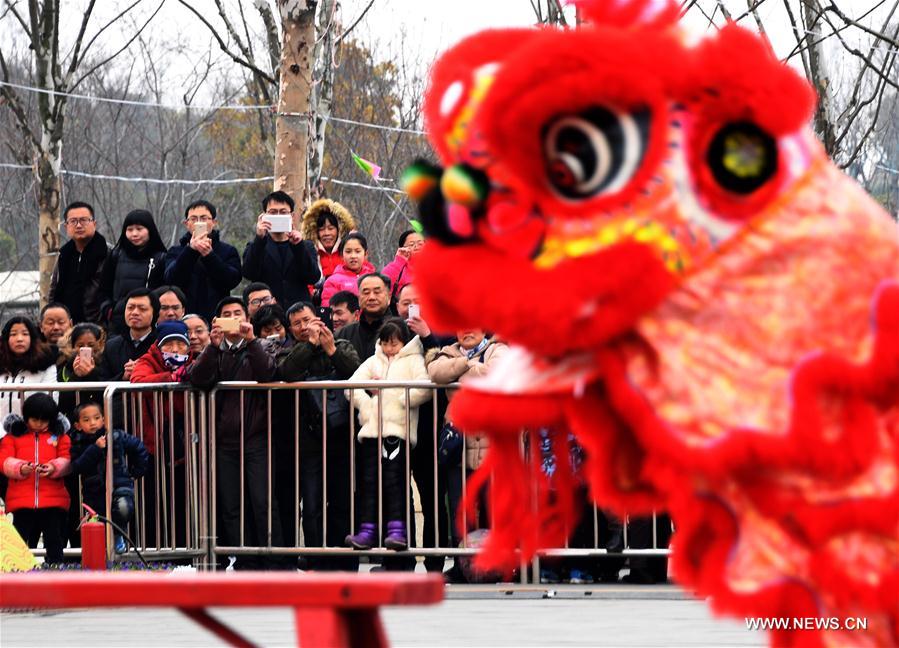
(171, 330)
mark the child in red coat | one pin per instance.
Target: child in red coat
(35, 455)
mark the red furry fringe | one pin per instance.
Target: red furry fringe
(521, 519)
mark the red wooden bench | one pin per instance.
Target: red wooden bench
(330, 610)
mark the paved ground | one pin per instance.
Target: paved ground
(572, 616)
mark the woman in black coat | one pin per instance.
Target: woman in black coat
(137, 261)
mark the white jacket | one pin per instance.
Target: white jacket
(10, 401)
(408, 364)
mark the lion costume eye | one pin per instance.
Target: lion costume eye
(742, 157)
(596, 152)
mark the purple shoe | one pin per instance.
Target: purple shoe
(365, 539)
(396, 536)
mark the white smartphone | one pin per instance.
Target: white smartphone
(85, 353)
(414, 311)
(200, 229)
(281, 223)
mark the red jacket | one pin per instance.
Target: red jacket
(19, 447)
(344, 279)
(150, 368)
(329, 261)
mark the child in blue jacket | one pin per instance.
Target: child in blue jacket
(130, 462)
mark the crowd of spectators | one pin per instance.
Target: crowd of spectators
(315, 309)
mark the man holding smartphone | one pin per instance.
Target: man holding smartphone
(235, 353)
(278, 256)
(202, 265)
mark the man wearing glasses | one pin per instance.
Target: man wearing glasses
(202, 265)
(277, 255)
(257, 295)
(76, 277)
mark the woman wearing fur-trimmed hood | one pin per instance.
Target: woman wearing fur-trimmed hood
(326, 223)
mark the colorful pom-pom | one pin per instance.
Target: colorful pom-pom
(464, 185)
(419, 178)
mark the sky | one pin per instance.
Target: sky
(418, 28)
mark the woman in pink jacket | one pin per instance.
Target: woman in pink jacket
(400, 269)
(354, 250)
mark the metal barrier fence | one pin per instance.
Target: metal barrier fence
(178, 506)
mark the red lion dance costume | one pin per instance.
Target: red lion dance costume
(691, 288)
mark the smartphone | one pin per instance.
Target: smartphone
(201, 228)
(281, 223)
(228, 324)
(85, 353)
(324, 314)
(414, 311)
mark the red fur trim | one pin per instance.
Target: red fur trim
(706, 531)
(587, 68)
(503, 414)
(527, 509)
(456, 66)
(734, 76)
(622, 282)
(614, 465)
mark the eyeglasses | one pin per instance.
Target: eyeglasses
(278, 212)
(198, 219)
(78, 222)
(261, 301)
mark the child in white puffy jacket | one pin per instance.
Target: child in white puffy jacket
(398, 357)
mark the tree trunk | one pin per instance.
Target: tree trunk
(322, 93)
(292, 125)
(824, 126)
(49, 190)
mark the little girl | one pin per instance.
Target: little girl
(354, 251)
(35, 456)
(398, 358)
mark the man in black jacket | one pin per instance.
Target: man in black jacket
(76, 277)
(202, 265)
(282, 260)
(240, 355)
(374, 302)
(122, 351)
(318, 356)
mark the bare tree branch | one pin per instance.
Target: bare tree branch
(832, 8)
(724, 10)
(800, 38)
(866, 59)
(120, 50)
(12, 8)
(75, 59)
(224, 47)
(15, 105)
(753, 8)
(90, 43)
(355, 22)
(271, 36)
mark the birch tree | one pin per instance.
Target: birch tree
(56, 72)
